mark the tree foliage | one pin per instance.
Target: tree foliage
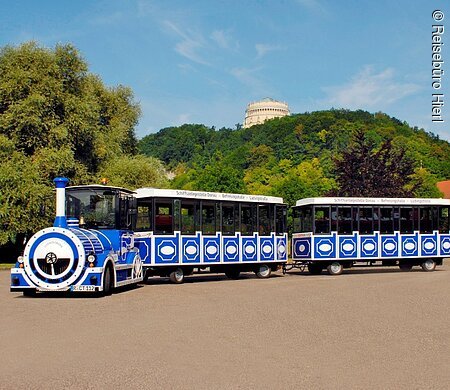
(364, 170)
(134, 172)
(58, 119)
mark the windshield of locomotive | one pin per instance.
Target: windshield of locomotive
(95, 209)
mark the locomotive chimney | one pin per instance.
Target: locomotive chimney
(60, 219)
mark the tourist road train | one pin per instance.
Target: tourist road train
(105, 237)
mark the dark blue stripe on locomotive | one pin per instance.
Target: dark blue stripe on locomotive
(90, 241)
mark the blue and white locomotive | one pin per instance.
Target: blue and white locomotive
(90, 250)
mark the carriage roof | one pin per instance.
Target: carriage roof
(204, 195)
(374, 201)
(101, 188)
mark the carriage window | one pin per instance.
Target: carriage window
(396, 216)
(334, 218)
(296, 220)
(306, 219)
(322, 220)
(280, 219)
(248, 217)
(228, 226)
(188, 218)
(409, 220)
(365, 217)
(265, 219)
(386, 220)
(208, 218)
(345, 220)
(144, 217)
(163, 217)
(444, 219)
(426, 220)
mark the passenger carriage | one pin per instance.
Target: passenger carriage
(180, 231)
(337, 233)
(89, 250)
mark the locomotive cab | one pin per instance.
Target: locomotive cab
(101, 207)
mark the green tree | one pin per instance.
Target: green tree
(135, 172)
(23, 195)
(218, 176)
(423, 184)
(305, 180)
(56, 119)
(49, 100)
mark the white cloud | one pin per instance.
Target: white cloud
(262, 49)
(224, 39)
(190, 45)
(313, 5)
(370, 90)
(107, 19)
(249, 77)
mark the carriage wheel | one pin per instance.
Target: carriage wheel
(335, 268)
(263, 271)
(177, 276)
(428, 265)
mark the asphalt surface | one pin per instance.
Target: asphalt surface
(365, 329)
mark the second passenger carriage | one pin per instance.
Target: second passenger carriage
(337, 233)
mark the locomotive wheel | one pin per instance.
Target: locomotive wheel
(232, 273)
(315, 269)
(263, 271)
(405, 267)
(177, 276)
(107, 281)
(335, 268)
(428, 265)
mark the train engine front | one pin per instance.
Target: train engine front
(85, 251)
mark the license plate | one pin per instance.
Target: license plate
(83, 288)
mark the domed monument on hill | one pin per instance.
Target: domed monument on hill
(267, 108)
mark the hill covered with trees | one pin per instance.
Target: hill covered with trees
(305, 155)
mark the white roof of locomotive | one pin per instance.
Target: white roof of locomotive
(99, 187)
(374, 201)
(204, 195)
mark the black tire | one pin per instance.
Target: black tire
(177, 276)
(428, 265)
(107, 281)
(315, 269)
(29, 292)
(405, 267)
(232, 273)
(263, 271)
(335, 268)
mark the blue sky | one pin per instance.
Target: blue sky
(204, 61)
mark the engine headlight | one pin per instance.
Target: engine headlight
(91, 258)
(20, 259)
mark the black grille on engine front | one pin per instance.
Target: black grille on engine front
(56, 267)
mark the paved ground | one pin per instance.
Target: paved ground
(380, 329)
